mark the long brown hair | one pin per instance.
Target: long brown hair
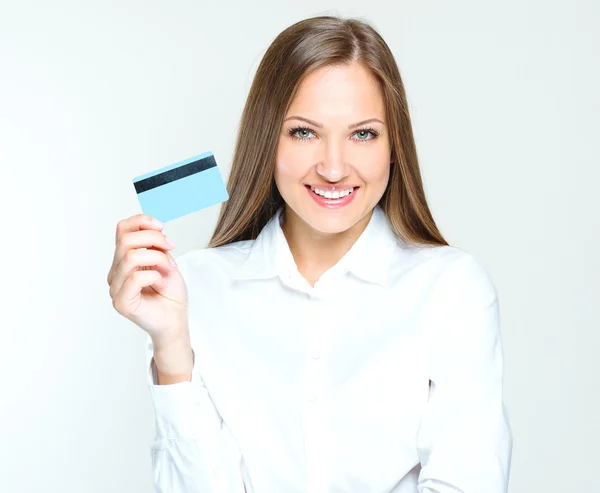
(295, 52)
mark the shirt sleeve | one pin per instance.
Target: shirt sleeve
(464, 441)
(192, 451)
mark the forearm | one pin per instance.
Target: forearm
(174, 361)
(192, 450)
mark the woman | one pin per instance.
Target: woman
(328, 339)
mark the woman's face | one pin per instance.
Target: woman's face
(329, 152)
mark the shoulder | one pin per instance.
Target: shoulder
(452, 272)
(458, 295)
(465, 278)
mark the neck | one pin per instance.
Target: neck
(315, 252)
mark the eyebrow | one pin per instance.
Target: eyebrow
(320, 125)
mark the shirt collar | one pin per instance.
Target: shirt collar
(369, 257)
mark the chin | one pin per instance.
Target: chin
(331, 221)
(330, 228)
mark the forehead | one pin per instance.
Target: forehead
(334, 89)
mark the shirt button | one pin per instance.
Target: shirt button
(312, 398)
(316, 355)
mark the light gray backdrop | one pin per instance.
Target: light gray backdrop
(504, 100)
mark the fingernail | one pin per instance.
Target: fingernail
(172, 260)
(170, 242)
(157, 223)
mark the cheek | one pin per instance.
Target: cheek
(290, 161)
(375, 168)
(284, 167)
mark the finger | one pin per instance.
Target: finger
(142, 239)
(136, 223)
(140, 260)
(145, 239)
(133, 286)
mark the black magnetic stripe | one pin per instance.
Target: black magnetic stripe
(175, 174)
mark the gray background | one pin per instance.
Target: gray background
(504, 100)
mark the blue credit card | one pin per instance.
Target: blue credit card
(181, 188)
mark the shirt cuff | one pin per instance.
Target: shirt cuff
(182, 410)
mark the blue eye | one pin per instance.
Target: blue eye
(293, 132)
(368, 131)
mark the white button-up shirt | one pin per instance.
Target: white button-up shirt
(385, 377)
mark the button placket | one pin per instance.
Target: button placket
(314, 390)
(314, 376)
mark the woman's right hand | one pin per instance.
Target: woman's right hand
(145, 285)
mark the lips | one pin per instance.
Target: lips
(332, 203)
(333, 188)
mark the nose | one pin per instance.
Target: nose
(333, 166)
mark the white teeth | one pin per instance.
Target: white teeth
(332, 195)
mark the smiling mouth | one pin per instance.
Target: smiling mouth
(333, 202)
(348, 190)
